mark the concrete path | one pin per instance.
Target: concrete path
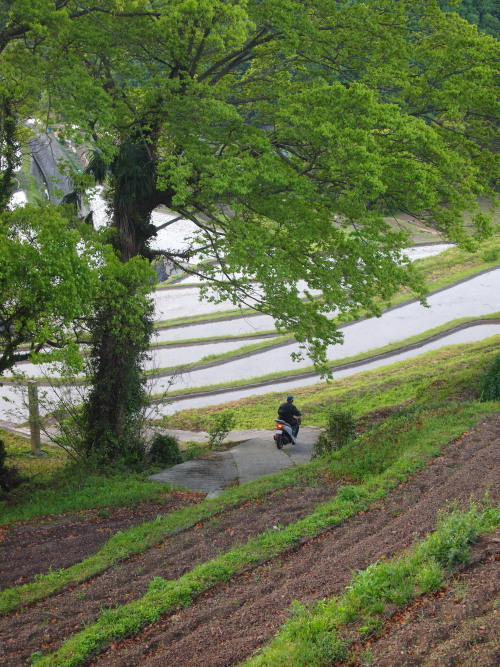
(254, 457)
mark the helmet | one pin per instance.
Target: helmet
(289, 398)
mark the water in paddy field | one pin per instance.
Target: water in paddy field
(421, 251)
(474, 298)
(184, 301)
(470, 335)
(174, 237)
(232, 327)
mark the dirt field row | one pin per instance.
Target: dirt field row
(225, 625)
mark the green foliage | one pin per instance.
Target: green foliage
(9, 150)
(405, 123)
(164, 450)
(192, 451)
(222, 423)
(449, 545)
(76, 488)
(484, 13)
(340, 430)
(490, 382)
(121, 327)
(48, 277)
(491, 255)
(3, 455)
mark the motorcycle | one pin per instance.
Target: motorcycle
(284, 434)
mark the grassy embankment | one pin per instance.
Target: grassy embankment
(450, 370)
(381, 459)
(384, 457)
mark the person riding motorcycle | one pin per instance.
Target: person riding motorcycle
(289, 413)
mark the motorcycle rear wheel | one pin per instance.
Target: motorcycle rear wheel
(280, 441)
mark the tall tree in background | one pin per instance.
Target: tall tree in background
(484, 13)
(52, 281)
(285, 131)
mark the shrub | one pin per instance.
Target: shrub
(490, 382)
(192, 451)
(165, 451)
(490, 255)
(340, 429)
(222, 423)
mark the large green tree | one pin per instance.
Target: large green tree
(484, 13)
(284, 130)
(276, 126)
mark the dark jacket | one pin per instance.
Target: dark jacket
(287, 412)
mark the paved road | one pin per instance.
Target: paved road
(254, 457)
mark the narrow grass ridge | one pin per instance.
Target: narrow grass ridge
(308, 371)
(316, 636)
(431, 376)
(380, 460)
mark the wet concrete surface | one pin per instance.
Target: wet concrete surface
(253, 458)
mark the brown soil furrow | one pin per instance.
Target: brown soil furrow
(45, 624)
(226, 625)
(41, 545)
(459, 625)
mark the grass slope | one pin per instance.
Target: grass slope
(451, 371)
(435, 395)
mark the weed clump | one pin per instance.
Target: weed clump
(165, 451)
(490, 382)
(222, 423)
(340, 430)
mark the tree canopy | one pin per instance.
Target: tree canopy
(48, 276)
(284, 130)
(484, 13)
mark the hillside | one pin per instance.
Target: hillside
(174, 579)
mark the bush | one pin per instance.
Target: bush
(192, 451)
(340, 429)
(490, 382)
(490, 255)
(222, 423)
(165, 451)
(9, 477)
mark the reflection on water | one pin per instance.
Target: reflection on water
(470, 335)
(174, 237)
